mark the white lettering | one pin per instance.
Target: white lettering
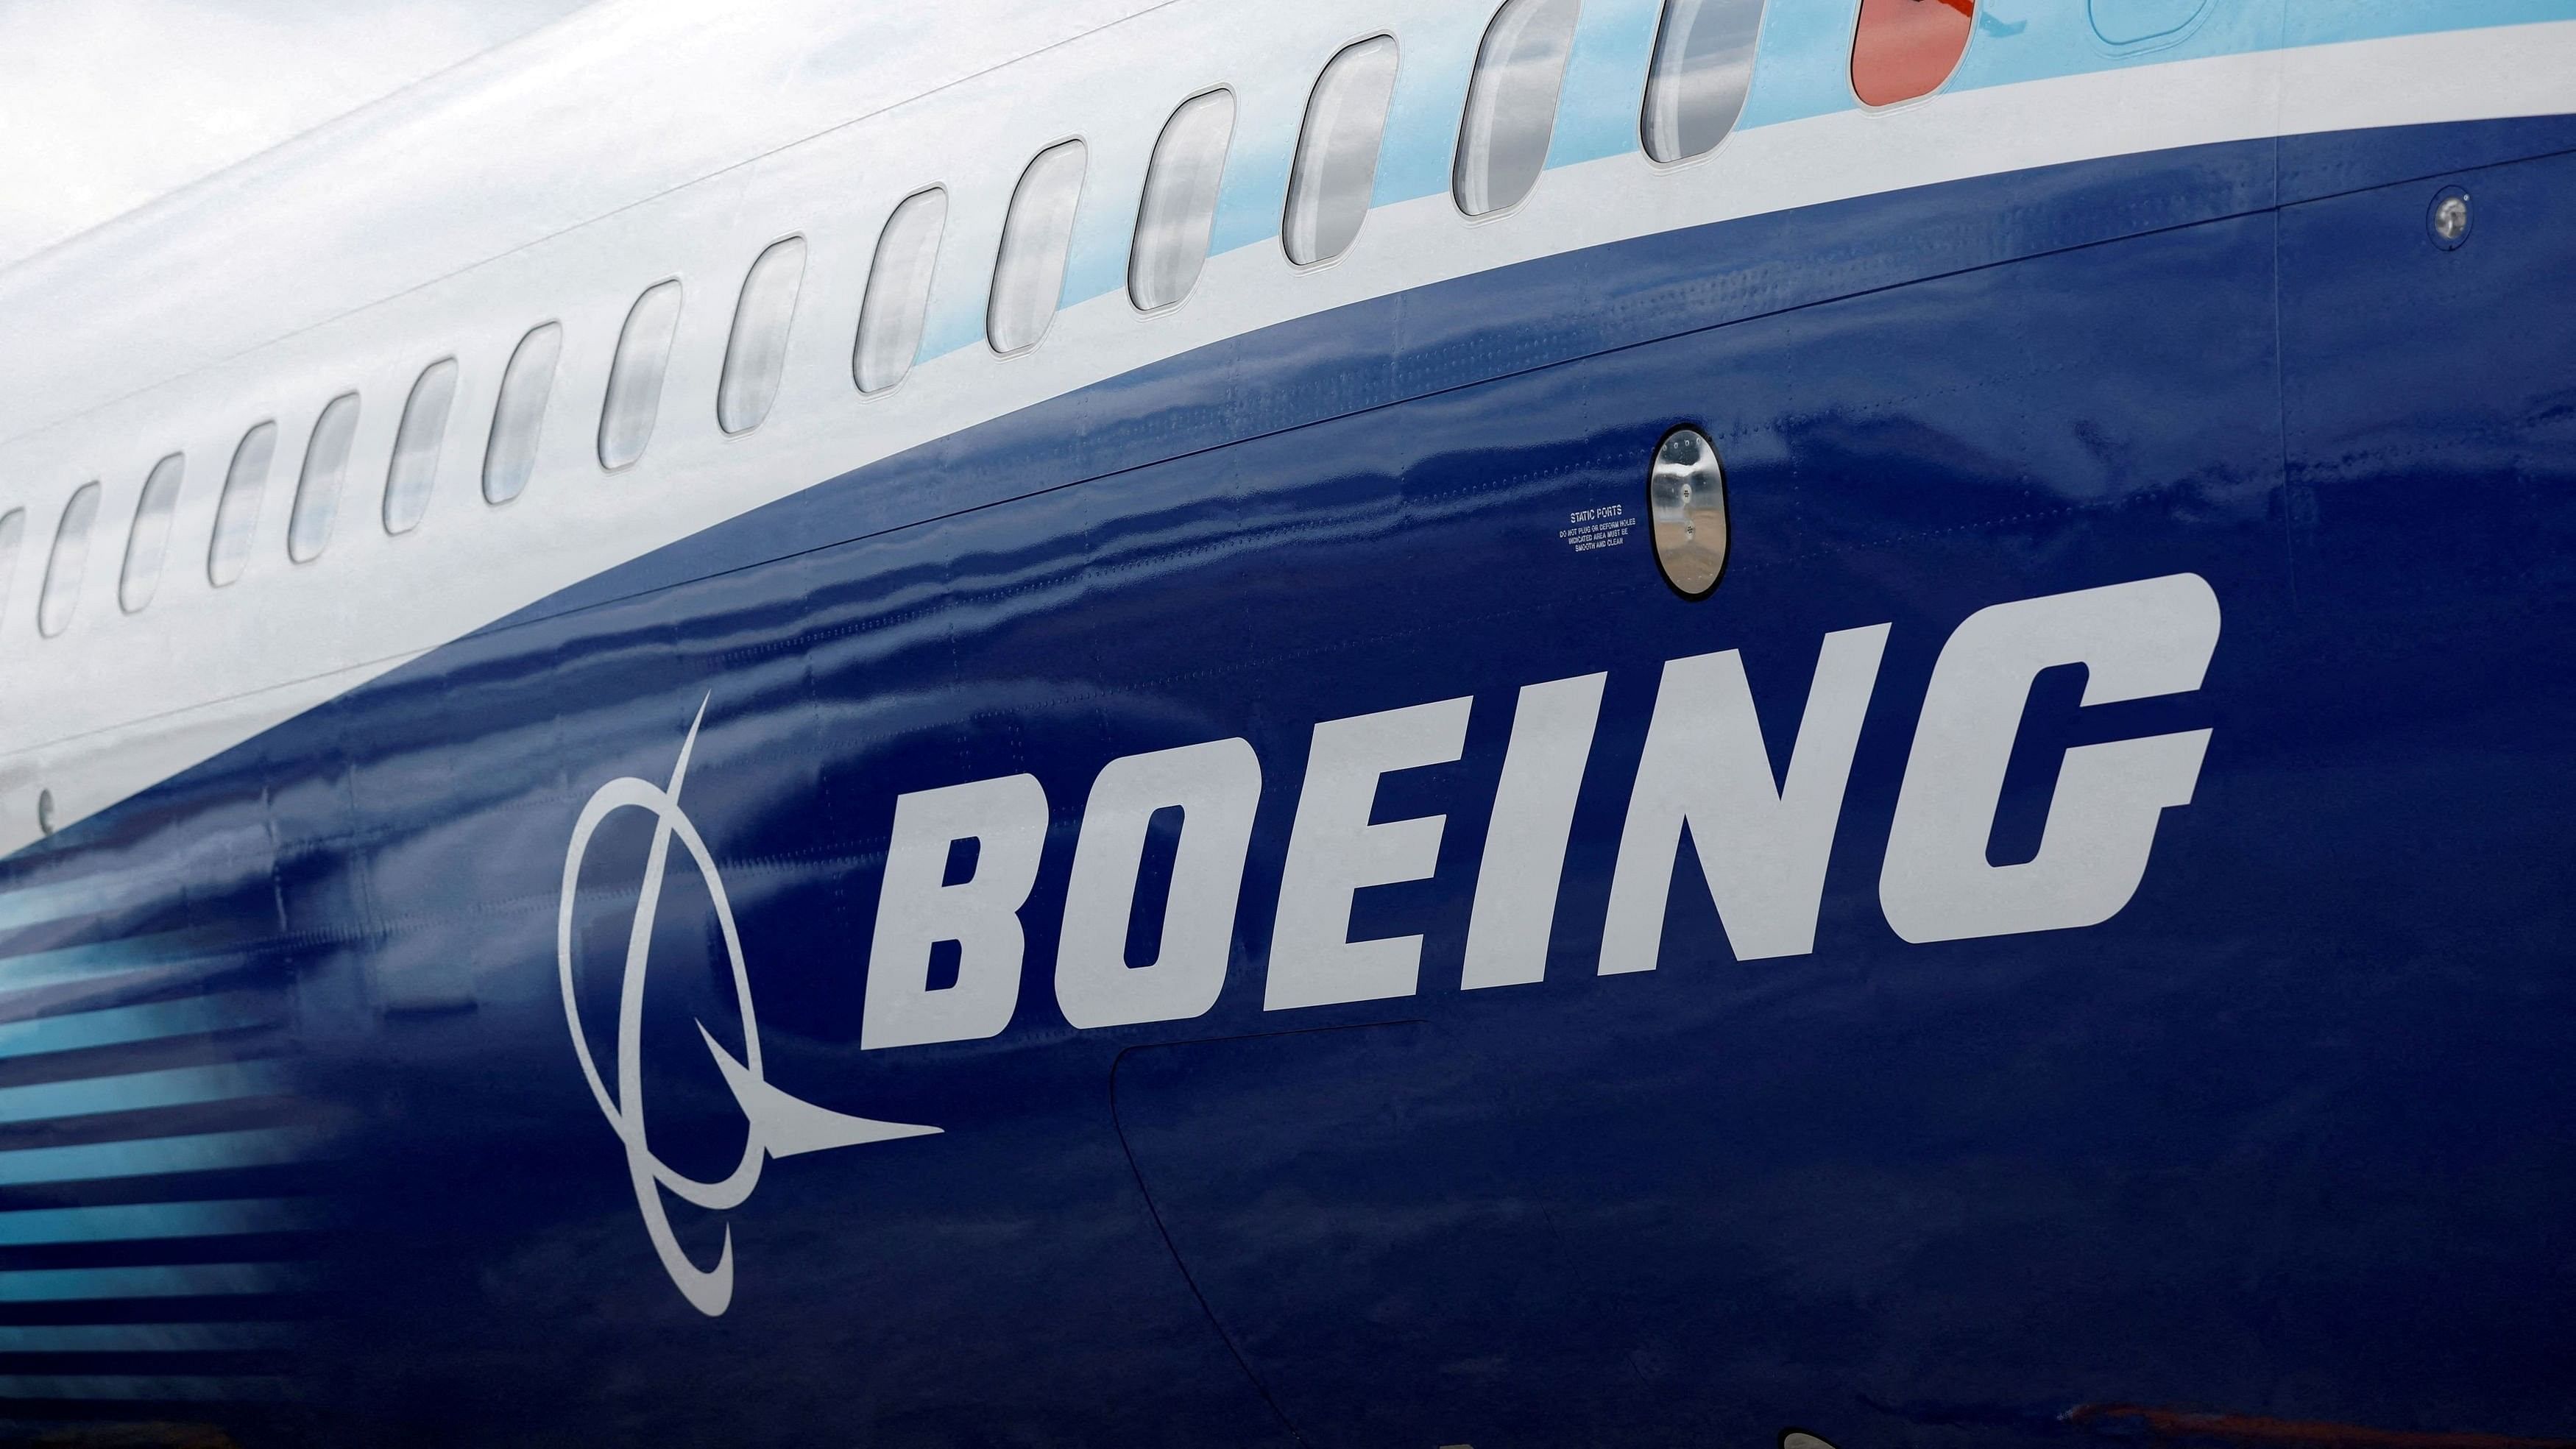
(1762, 848)
(1333, 851)
(2136, 640)
(1007, 818)
(1516, 887)
(1217, 787)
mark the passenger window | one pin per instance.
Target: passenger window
(1179, 208)
(13, 531)
(510, 455)
(317, 488)
(756, 353)
(64, 566)
(1336, 162)
(237, 511)
(149, 538)
(1906, 48)
(1037, 236)
(634, 398)
(1511, 103)
(898, 299)
(1703, 66)
(416, 446)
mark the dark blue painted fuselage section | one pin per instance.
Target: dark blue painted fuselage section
(2294, 1134)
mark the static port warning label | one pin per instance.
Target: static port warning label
(1590, 528)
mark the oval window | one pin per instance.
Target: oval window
(1037, 237)
(1511, 103)
(898, 298)
(1907, 48)
(1703, 66)
(1179, 208)
(317, 488)
(1337, 149)
(519, 417)
(634, 398)
(237, 511)
(150, 537)
(756, 352)
(13, 530)
(65, 565)
(416, 446)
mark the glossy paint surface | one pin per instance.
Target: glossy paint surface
(2289, 1135)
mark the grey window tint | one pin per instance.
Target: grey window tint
(1036, 237)
(520, 414)
(13, 531)
(1179, 207)
(237, 512)
(65, 565)
(1703, 65)
(1336, 165)
(416, 446)
(898, 292)
(149, 538)
(635, 378)
(756, 353)
(317, 488)
(1511, 103)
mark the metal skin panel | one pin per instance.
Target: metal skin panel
(2286, 1136)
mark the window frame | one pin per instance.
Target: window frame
(920, 321)
(1297, 147)
(501, 402)
(1216, 202)
(1851, 60)
(177, 465)
(1002, 247)
(13, 547)
(777, 383)
(617, 358)
(1646, 99)
(258, 504)
(1467, 110)
(339, 478)
(91, 493)
(437, 449)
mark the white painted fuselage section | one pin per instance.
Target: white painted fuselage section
(557, 179)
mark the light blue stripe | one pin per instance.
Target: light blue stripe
(150, 1022)
(124, 1222)
(38, 904)
(1605, 82)
(159, 1280)
(146, 1337)
(1803, 67)
(237, 854)
(2325, 22)
(153, 1156)
(107, 958)
(131, 1388)
(134, 1091)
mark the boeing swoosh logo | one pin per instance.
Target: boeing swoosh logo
(781, 1125)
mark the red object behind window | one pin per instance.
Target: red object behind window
(1906, 48)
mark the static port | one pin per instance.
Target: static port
(1686, 502)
